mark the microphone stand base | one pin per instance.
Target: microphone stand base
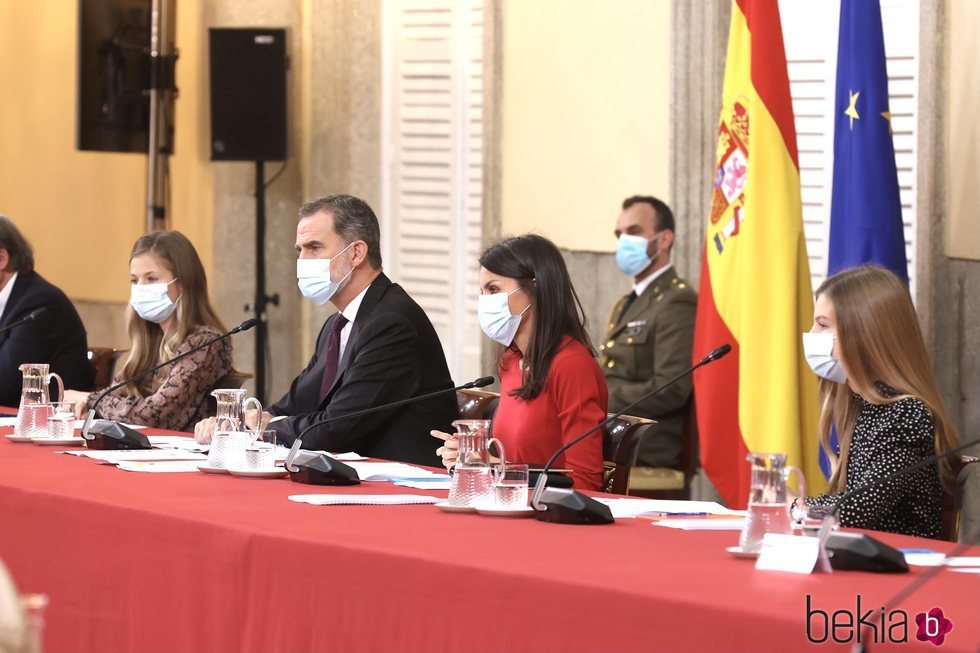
(113, 436)
(322, 470)
(571, 507)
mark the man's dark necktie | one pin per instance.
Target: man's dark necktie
(630, 298)
(333, 354)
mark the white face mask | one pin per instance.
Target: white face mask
(816, 349)
(313, 278)
(151, 301)
(496, 321)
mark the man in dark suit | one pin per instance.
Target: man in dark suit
(56, 336)
(379, 348)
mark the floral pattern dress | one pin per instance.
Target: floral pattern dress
(178, 395)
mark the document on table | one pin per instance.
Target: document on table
(165, 467)
(138, 455)
(363, 499)
(12, 421)
(635, 507)
(439, 482)
(391, 472)
(702, 524)
(176, 442)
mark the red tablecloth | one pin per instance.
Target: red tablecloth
(192, 562)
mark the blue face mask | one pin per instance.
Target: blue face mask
(631, 254)
(152, 302)
(313, 278)
(493, 311)
(817, 348)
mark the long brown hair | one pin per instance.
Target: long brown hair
(879, 341)
(148, 346)
(540, 270)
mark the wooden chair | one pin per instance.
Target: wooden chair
(103, 362)
(233, 379)
(961, 502)
(620, 443)
(476, 404)
(671, 482)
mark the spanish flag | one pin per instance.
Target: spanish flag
(755, 279)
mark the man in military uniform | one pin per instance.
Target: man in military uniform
(651, 330)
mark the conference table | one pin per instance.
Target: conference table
(196, 562)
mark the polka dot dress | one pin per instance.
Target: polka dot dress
(887, 438)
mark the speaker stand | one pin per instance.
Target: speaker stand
(262, 300)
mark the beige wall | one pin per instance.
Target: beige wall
(963, 130)
(585, 114)
(83, 210)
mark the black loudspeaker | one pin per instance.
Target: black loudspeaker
(859, 552)
(107, 434)
(248, 94)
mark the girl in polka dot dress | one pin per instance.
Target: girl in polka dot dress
(878, 389)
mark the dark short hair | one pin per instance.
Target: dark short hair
(540, 270)
(353, 220)
(19, 251)
(664, 216)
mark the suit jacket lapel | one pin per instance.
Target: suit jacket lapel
(375, 291)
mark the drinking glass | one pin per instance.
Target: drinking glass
(61, 420)
(261, 454)
(510, 491)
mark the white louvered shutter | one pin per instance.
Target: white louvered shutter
(432, 164)
(810, 33)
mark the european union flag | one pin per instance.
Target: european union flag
(866, 209)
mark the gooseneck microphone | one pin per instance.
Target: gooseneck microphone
(862, 552)
(565, 506)
(319, 469)
(30, 317)
(107, 434)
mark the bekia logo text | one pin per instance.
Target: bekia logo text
(873, 625)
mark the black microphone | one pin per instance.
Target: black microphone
(564, 506)
(319, 469)
(861, 552)
(107, 434)
(27, 318)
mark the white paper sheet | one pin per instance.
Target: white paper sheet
(634, 507)
(165, 467)
(707, 524)
(141, 455)
(391, 471)
(419, 484)
(363, 499)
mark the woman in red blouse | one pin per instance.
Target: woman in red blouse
(551, 388)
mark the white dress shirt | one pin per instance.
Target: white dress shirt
(638, 288)
(5, 293)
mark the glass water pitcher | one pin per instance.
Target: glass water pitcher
(474, 474)
(35, 399)
(768, 498)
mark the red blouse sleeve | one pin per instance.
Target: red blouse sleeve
(581, 400)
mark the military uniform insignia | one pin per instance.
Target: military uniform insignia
(634, 328)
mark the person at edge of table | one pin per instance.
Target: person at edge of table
(650, 334)
(878, 390)
(378, 348)
(56, 336)
(169, 313)
(551, 388)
